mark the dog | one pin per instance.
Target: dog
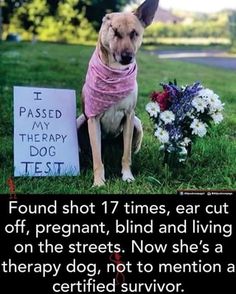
(109, 95)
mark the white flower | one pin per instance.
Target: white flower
(185, 142)
(153, 109)
(215, 105)
(211, 99)
(162, 135)
(217, 117)
(205, 93)
(199, 128)
(167, 116)
(200, 104)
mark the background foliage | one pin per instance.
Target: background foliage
(73, 21)
(232, 29)
(78, 21)
(95, 9)
(48, 20)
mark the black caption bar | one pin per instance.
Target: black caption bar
(117, 244)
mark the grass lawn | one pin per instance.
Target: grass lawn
(213, 161)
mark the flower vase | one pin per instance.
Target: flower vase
(173, 159)
(189, 149)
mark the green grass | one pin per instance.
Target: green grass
(211, 166)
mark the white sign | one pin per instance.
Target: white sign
(45, 134)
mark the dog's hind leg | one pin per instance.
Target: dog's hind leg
(85, 152)
(138, 135)
(80, 122)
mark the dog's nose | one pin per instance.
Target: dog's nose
(126, 57)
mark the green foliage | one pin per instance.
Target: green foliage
(8, 7)
(198, 26)
(211, 166)
(232, 29)
(30, 15)
(96, 9)
(68, 24)
(194, 30)
(16, 13)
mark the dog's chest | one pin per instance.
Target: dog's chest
(112, 119)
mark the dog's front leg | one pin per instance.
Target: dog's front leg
(127, 137)
(94, 129)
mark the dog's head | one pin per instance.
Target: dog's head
(121, 33)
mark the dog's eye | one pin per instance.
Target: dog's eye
(117, 34)
(133, 34)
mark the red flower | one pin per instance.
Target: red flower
(162, 98)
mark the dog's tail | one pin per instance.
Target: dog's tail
(138, 135)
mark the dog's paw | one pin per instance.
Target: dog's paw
(98, 183)
(99, 177)
(127, 176)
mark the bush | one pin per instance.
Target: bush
(194, 30)
(232, 29)
(33, 19)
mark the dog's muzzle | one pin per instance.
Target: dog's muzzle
(126, 58)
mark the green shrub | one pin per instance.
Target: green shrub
(194, 30)
(68, 24)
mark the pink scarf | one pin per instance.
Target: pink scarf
(105, 86)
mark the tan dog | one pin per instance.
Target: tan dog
(120, 37)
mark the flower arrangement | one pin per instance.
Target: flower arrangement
(181, 114)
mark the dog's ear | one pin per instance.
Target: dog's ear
(146, 12)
